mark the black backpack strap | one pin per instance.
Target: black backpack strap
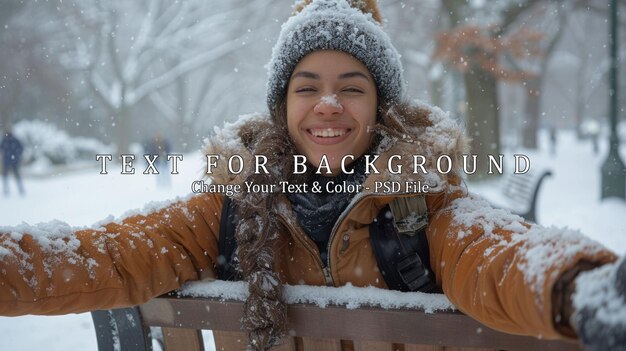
(226, 269)
(403, 259)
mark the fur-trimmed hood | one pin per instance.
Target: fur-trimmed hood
(407, 129)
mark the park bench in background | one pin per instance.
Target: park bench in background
(519, 194)
(311, 328)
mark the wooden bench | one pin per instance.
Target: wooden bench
(310, 328)
(520, 192)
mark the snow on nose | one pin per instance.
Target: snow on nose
(329, 101)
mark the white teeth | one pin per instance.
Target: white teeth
(328, 132)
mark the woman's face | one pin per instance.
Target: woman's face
(331, 105)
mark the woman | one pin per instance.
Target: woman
(335, 93)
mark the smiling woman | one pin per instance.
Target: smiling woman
(335, 88)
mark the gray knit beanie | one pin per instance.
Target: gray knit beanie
(335, 25)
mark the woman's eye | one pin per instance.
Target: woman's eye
(352, 90)
(305, 90)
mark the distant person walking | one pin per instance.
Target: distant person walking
(12, 150)
(161, 147)
(553, 140)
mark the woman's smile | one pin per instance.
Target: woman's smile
(328, 135)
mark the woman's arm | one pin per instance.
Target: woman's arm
(499, 269)
(54, 270)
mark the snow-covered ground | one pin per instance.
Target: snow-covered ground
(569, 198)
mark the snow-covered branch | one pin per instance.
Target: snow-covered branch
(180, 69)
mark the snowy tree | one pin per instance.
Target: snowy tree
(555, 19)
(593, 66)
(10, 73)
(31, 83)
(127, 51)
(484, 47)
(198, 99)
(550, 19)
(592, 71)
(413, 25)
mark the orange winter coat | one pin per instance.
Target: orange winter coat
(490, 264)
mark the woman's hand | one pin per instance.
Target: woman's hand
(600, 303)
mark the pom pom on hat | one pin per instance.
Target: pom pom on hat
(366, 6)
(349, 26)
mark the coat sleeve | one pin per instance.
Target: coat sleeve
(499, 269)
(52, 269)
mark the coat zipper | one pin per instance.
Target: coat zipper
(328, 276)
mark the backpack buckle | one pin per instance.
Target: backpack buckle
(413, 272)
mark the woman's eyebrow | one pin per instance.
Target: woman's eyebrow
(305, 74)
(311, 75)
(353, 74)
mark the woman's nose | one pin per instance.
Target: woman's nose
(328, 106)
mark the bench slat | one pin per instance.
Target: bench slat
(179, 339)
(373, 346)
(320, 344)
(235, 341)
(364, 324)
(423, 348)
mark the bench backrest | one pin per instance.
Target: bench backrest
(311, 328)
(522, 190)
